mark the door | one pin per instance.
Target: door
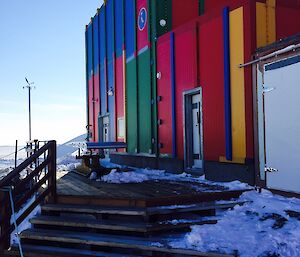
(281, 90)
(196, 112)
(193, 130)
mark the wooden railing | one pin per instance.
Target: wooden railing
(29, 184)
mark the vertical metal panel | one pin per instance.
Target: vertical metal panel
(183, 12)
(249, 48)
(164, 104)
(96, 68)
(119, 91)
(110, 32)
(103, 82)
(227, 106)
(130, 37)
(287, 20)
(142, 29)
(91, 80)
(237, 85)
(144, 102)
(216, 5)
(131, 106)
(173, 89)
(163, 12)
(152, 39)
(212, 82)
(87, 78)
(119, 35)
(201, 7)
(186, 74)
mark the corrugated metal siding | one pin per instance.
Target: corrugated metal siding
(130, 37)
(110, 32)
(119, 27)
(103, 82)
(186, 74)
(164, 105)
(211, 73)
(183, 12)
(96, 68)
(287, 20)
(131, 106)
(90, 80)
(144, 102)
(119, 91)
(142, 29)
(163, 12)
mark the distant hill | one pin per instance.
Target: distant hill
(70, 147)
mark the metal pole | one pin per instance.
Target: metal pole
(16, 153)
(29, 105)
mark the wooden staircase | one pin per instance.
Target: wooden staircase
(90, 230)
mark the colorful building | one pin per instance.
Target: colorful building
(166, 77)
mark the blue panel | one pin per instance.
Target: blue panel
(119, 36)
(111, 99)
(283, 63)
(96, 43)
(110, 28)
(102, 35)
(227, 96)
(130, 28)
(173, 86)
(90, 50)
(102, 39)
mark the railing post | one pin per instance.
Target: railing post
(5, 215)
(52, 170)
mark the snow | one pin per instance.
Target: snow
(261, 227)
(25, 224)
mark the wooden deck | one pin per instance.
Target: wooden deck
(74, 188)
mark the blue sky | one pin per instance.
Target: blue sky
(44, 41)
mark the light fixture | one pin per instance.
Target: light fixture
(162, 22)
(110, 91)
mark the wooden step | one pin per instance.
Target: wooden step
(112, 241)
(192, 207)
(168, 209)
(51, 251)
(94, 209)
(54, 221)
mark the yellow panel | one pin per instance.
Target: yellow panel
(271, 21)
(265, 23)
(236, 20)
(261, 24)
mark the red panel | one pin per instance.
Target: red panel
(164, 91)
(91, 108)
(142, 24)
(287, 21)
(186, 74)
(249, 48)
(119, 91)
(96, 105)
(211, 70)
(183, 12)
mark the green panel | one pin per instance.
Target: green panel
(201, 7)
(152, 37)
(163, 11)
(131, 106)
(144, 102)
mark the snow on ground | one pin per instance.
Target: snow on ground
(268, 226)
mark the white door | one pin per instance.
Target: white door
(197, 117)
(282, 125)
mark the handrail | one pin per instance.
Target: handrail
(38, 185)
(7, 179)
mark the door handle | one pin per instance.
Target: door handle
(268, 89)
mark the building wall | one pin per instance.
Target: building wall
(153, 51)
